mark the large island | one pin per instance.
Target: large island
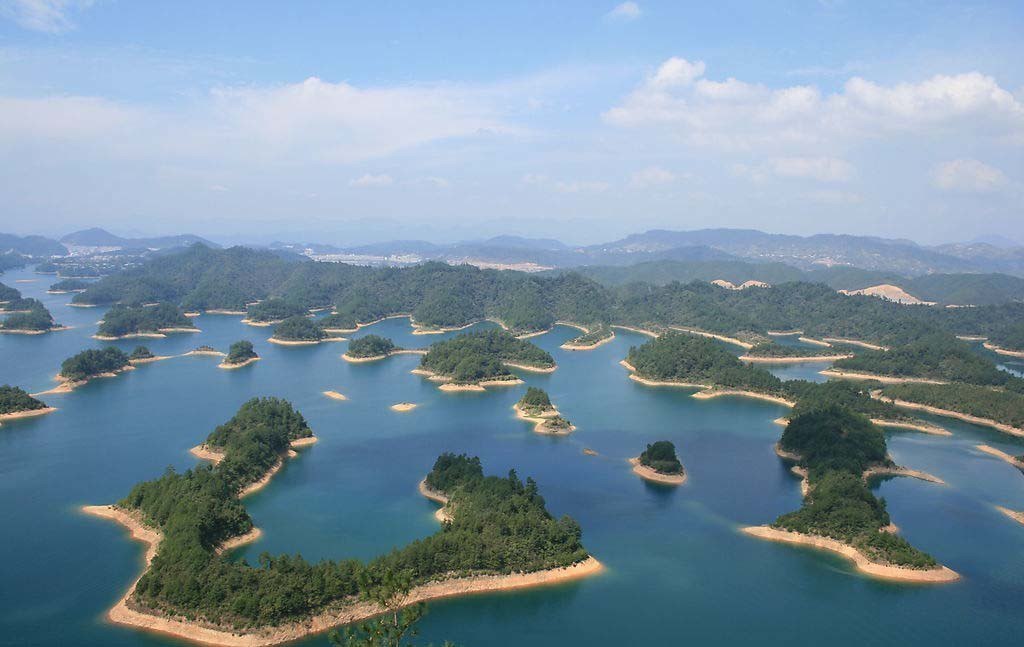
(472, 361)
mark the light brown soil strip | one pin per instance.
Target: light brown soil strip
(654, 476)
(1003, 351)
(885, 379)
(541, 421)
(1013, 514)
(791, 360)
(854, 342)
(18, 415)
(715, 393)
(1000, 454)
(813, 341)
(642, 331)
(334, 395)
(913, 426)
(937, 575)
(150, 360)
(1015, 431)
(872, 472)
(711, 335)
(402, 407)
(531, 369)
(225, 365)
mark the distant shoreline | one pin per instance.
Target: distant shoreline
(794, 359)
(29, 413)
(877, 377)
(987, 422)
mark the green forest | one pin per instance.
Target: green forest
(240, 351)
(535, 401)
(772, 349)
(836, 446)
(70, 285)
(15, 400)
(7, 293)
(681, 357)
(370, 346)
(1005, 407)
(92, 362)
(141, 352)
(128, 320)
(299, 328)
(499, 525)
(275, 309)
(28, 314)
(661, 457)
(477, 356)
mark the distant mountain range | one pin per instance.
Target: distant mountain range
(35, 246)
(96, 237)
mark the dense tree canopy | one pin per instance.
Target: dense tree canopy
(370, 346)
(275, 309)
(92, 362)
(16, 400)
(661, 457)
(127, 320)
(240, 351)
(141, 352)
(681, 357)
(299, 328)
(477, 356)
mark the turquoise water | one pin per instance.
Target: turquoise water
(677, 567)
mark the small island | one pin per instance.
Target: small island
(205, 350)
(15, 403)
(402, 407)
(659, 464)
(837, 450)
(124, 322)
(273, 311)
(300, 330)
(772, 353)
(369, 348)
(142, 355)
(338, 323)
(592, 337)
(91, 363)
(472, 361)
(335, 395)
(535, 406)
(239, 354)
(27, 317)
(67, 286)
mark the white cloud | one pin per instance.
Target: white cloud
(968, 175)
(565, 186)
(741, 116)
(651, 176)
(50, 16)
(624, 11)
(370, 180)
(835, 198)
(822, 169)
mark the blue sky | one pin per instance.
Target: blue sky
(352, 122)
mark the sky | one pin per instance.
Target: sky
(353, 122)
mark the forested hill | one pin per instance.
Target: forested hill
(440, 295)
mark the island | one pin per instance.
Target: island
(659, 464)
(369, 348)
(67, 286)
(402, 407)
(498, 535)
(142, 355)
(298, 330)
(124, 322)
(27, 317)
(206, 350)
(472, 361)
(91, 363)
(335, 395)
(239, 354)
(15, 403)
(273, 311)
(535, 406)
(837, 450)
(772, 353)
(338, 324)
(592, 337)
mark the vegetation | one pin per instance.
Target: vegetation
(141, 352)
(499, 525)
(69, 285)
(7, 293)
(853, 396)
(680, 357)
(661, 457)
(299, 328)
(478, 356)
(240, 351)
(1005, 407)
(771, 349)
(338, 322)
(535, 401)
(30, 314)
(597, 333)
(556, 424)
(370, 346)
(123, 320)
(836, 446)
(16, 400)
(92, 362)
(275, 309)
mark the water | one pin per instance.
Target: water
(676, 564)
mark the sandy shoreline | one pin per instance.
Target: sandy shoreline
(715, 393)
(67, 386)
(854, 342)
(649, 474)
(885, 379)
(427, 330)
(531, 369)
(1003, 351)
(711, 335)
(150, 360)
(923, 427)
(227, 366)
(334, 395)
(377, 358)
(131, 335)
(814, 342)
(784, 333)
(642, 380)
(32, 413)
(938, 575)
(641, 331)
(879, 471)
(211, 353)
(1015, 431)
(540, 422)
(402, 407)
(569, 345)
(1000, 454)
(792, 360)
(446, 383)
(1013, 514)
(297, 342)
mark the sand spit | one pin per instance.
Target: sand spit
(531, 369)
(649, 474)
(1003, 351)
(1000, 454)
(402, 407)
(32, 413)
(885, 379)
(715, 393)
(219, 311)
(448, 385)
(297, 342)
(83, 305)
(334, 395)
(132, 335)
(711, 335)
(923, 427)
(784, 333)
(428, 330)
(937, 575)
(882, 471)
(67, 386)
(589, 452)
(641, 331)
(814, 342)
(1015, 431)
(854, 342)
(792, 360)
(150, 360)
(972, 338)
(261, 324)
(211, 353)
(235, 365)
(1013, 514)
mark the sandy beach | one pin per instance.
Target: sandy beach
(67, 386)
(792, 360)
(1000, 454)
(715, 393)
(211, 353)
(225, 365)
(1003, 351)
(881, 470)
(461, 387)
(1015, 431)
(923, 427)
(649, 474)
(1013, 514)
(32, 413)
(334, 395)
(531, 369)
(814, 342)
(885, 379)
(938, 575)
(854, 342)
(784, 333)
(540, 421)
(298, 342)
(150, 360)
(711, 335)
(375, 358)
(219, 311)
(403, 406)
(131, 335)
(641, 331)
(427, 330)
(261, 324)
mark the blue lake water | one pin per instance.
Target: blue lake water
(678, 569)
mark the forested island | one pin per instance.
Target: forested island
(535, 406)
(770, 352)
(498, 534)
(591, 338)
(68, 285)
(479, 359)
(151, 320)
(28, 317)
(240, 354)
(79, 369)
(836, 450)
(369, 348)
(659, 464)
(298, 329)
(16, 403)
(273, 310)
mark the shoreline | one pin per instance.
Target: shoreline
(446, 383)
(939, 575)
(531, 369)
(646, 382)
(1001, 455)
(884, 379)
(715, 393)
(897, 470)
(131, 335)
(795, 359)
(335, 395)
(30, 413)
(150, 360)
(442, 514)
(640, 331)
(711, 335)
(540, 422)
(654, 476)
(813, 341)
(377, 358)
(213, 353)
(986, 422)
(923, 427)
(569, 345)
(67, 386)
(854, 342)
(428, 330)
(1003, 351)
(1013, 514)
(402, 407)
(239, 364)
